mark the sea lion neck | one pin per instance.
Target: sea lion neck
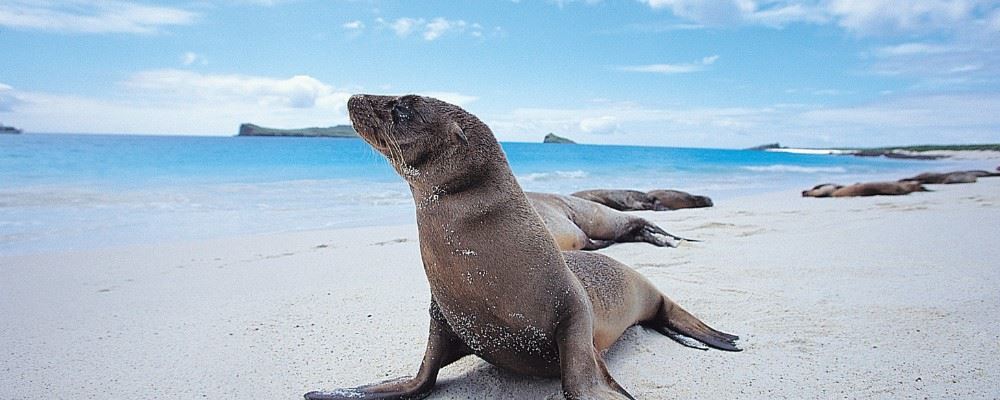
(429, 192)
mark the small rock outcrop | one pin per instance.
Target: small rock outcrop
(553, 138)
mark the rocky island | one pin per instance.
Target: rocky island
(553, 138)
(338, 131)
(10, 130)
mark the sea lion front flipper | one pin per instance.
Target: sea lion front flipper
(581, 366)
(443, 348)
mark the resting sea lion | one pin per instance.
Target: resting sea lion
(950, 177)
(865, 189)
(676, 199)
(578, 224)
(621, 200)
(500, 288)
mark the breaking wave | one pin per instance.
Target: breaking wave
(551, 176)
(795, 168)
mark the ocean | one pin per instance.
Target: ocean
(70, 192)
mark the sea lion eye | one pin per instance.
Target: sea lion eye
(401, 113)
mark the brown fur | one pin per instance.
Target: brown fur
(578, 224)
(500, 288)
(618, 199)
(676, 200)
(879, 189)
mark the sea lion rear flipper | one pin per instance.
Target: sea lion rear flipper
(683, 340)
(676, 321)
(652, 229)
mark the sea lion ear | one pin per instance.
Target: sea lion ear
(456, 131)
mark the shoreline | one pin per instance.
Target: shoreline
(832, 297)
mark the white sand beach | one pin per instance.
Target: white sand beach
(882, 297)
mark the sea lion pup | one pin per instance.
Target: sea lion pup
(500, 288)
(821, 190)
(618, 199)
(950, 177)
(578, 224)
(664, 200)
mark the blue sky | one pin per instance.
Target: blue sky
(722, 73)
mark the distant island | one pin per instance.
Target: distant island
(339, 131)
(769, 146)
(10, 130)
(553, 138)
(901, 152)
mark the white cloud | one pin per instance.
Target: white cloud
(891, 16)
(964, 118)
(174, 101)
(864, 17)
(91, 16)
(300, 91)
(672, 68)
(7, 98)
(599, 125)
(354, 25)
(190, 57)
(910, 49)
(186, 102)
(432, 30)
(711, 12)
(440, 26)
(458, 99)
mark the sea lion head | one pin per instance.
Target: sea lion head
(822, 190)
(429, 142)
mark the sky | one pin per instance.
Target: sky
(713, 73)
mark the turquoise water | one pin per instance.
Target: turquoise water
(60, 192)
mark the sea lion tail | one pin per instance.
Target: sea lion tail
(679, 325)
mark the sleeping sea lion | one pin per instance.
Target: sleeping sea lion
(578, 224)
(865, 189)
(950, 177)
(675, 200)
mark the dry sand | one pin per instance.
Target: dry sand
(884, 297)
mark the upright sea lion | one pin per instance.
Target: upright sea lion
(578, 224)
(675, 200)
(950, 177)
(618, 199)
(500, 288)
(865, 189)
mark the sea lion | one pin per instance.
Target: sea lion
(618, 199)
(865, 189)
(500, 288)
(950, 177)
(578, 224)
(675, 200)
